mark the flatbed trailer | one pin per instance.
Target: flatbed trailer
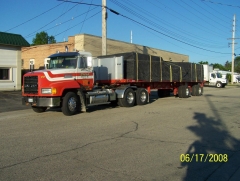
(76, 80)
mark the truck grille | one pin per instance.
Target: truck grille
(31, 84)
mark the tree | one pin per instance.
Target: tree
(43, 38)
(203, 62)
(228, 66)
(219, 66)
(237, 64)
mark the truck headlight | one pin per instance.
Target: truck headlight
(46, 91)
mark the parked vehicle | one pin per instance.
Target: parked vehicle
(75, 80)
(213, 78)
(224, 74)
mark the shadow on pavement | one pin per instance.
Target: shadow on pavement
(216, 155)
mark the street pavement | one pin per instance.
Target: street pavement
(11, 101)
(168, 139)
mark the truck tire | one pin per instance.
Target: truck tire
(186, 92)
(39, 109)
(128, 99)
(180, 91)
(183, 91)
(218, 84)
(197, 90)
(70, 104)
(141, 96)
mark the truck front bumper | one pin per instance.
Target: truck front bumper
(41, 101)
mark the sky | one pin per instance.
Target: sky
(201, 29)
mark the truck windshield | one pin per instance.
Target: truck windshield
(63, 62)
(219, 75)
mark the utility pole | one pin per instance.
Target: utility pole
(131, 36)
(233, 43)
(104, 27)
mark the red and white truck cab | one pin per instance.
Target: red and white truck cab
(65, 72)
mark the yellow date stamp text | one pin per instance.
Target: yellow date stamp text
(206, 157)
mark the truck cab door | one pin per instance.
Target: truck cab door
(213, 79)
(84, 73)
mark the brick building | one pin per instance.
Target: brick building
(93, 44)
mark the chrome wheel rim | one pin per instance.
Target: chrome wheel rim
(143, 96)
(200, 90)
(187, 91)
(72, 103)
(130, 98)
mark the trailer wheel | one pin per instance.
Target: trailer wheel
(197, 90)
(180, 91)
(128, 100)
(141, 96)
(219, 85)
(183, 91)
(39, 109)
(70, 104)
(186, 92)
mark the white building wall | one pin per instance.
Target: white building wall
(10, 58)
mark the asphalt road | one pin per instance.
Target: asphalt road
(148, 142)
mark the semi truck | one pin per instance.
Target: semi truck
(213, 78)
(73, 81)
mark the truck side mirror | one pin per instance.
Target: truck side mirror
(46, 62)
(89, 61)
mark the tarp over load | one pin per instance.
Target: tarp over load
(149, 68)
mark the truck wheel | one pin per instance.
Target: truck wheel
(183, 91)
(200, 90)
(197, 90)
(219, 84)
(141, 96)
(180, 91)
(70, 104)
(186, 92)
(128, 100)
(39, 109)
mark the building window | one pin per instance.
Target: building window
(4, 73)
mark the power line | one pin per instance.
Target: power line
(51, 21)
(184, 18)
(85, 17)
(221, 3)
(34, 17)
(163, 28)
(176, 39)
